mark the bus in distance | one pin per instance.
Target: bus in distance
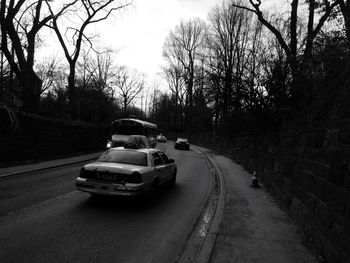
(121, 129)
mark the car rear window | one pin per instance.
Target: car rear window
(126, 157)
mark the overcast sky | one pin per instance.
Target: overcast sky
(138, 33)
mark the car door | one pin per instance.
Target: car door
(159, 167)
(167, 165)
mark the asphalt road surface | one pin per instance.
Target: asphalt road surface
(44, 219)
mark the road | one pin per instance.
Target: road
(44, 219)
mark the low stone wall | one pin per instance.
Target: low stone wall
(44, 138)
(309, 170)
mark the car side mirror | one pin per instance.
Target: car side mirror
(171, 161)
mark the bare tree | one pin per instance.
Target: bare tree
(20, 23)
(97, 68)
(182, 45)
(105, 73)
(46, 70)
(229, 40)
(89, 12)
(4, 70)
(173, 74)
(290, 46)
(129, 84)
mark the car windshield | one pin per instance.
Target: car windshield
(125, 157)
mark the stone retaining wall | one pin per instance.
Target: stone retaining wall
(307, 165)
(42, 137)
(309, 169)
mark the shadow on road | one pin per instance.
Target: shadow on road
(140, 204)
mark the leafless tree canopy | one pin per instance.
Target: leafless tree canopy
(129, 84)
(181, 48)
(89, 12)
(20, 23)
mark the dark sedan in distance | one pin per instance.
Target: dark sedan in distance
(161, 138)
(182, 143)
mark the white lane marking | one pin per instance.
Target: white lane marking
(198, 151)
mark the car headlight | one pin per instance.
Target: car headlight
(109, 144)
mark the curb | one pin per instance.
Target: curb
(209, 243)
(201, 241)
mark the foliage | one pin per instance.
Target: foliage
(252, 69)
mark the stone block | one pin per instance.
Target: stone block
(340, 238)
(303, 139)
(299, 151)
(287, 142)
(335, 197)
(317, 139)
(278, 179)
(344, 133)
(314, 167)
(307, 199)
(347, 212)
(338, 177)
(294, 208)
(302, 178)
(288, 160)
(321, 189)
(306, 219)
(331, 138)
(324, 217)
(287, 187)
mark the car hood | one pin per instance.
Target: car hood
(114, 167)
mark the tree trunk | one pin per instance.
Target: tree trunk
(125, 106)
(217, 105)
(175, 120)
(72, 94)
(31, 89)
(226, 96)
(310, 32)
(189, 109)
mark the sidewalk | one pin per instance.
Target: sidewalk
(253, 227)
(21, 169)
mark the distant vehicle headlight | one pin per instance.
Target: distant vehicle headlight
(109, 144)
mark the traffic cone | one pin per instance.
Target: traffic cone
(255, 182)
